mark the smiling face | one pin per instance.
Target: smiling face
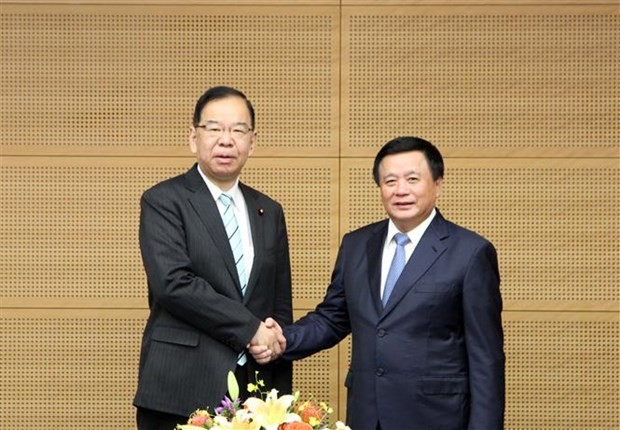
(221, 158)
(408, 191)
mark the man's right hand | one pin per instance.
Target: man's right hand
(268, 343)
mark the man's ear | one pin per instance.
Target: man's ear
(193, 136)
(438, 187)
(253, 142)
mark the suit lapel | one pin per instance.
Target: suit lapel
(255, 214)
(374, 250)
(203, 203)
(426, 253)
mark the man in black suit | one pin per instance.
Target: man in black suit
(217, 266)
(427, 339)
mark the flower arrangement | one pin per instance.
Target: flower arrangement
(265, 411)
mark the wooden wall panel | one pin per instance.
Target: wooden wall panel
(308, 190)
(70, 230)
(503, 81)
(69, 367)
(122, 80)
(553, 221)
(317, 376)
(520, 97)
(562, 370)
(69, 226)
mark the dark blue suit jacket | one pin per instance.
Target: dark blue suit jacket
(433, 359)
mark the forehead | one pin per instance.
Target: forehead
(403, 163)
(228, 108)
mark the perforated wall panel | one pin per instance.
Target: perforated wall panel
(316, 377)
(308, 191)
(95, 80)
(562, 371)
(70, 225)
(520, 97)
(62, 367)
(554, 222)
(503, 80)
(70, 229)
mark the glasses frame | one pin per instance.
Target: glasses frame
(218, 129)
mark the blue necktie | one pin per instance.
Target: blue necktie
(397, 266)
(234, 237)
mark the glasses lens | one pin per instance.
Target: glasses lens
(215, 130)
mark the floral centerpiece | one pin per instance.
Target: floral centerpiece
(265, 411)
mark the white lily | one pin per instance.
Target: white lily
(243, 420)
(341, 426)
(272, 411)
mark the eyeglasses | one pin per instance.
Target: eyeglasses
(215, 130)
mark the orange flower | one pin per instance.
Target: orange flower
(310, 412)
(295, 426)
(198, 419)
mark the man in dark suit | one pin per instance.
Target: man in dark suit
(217, 266)
(427, 348)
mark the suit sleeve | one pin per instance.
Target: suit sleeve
(482, 308)
(328, 324)
(173, 284)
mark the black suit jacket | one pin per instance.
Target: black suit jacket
(199, 321)
(433, 358)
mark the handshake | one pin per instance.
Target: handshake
(268, 342)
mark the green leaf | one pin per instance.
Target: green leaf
(233, 386)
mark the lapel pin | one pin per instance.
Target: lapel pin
(261, 211)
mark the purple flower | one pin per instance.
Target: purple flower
(228, 407)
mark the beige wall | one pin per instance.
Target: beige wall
(521, 98)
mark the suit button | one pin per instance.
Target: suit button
(380, 372)
(380, 332)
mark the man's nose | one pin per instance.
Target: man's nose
(226, 137)
(402, 187)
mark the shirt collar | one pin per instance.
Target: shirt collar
(216, 191)
(416, 233)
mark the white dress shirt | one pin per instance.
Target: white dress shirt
(389, 247)
(241, 213)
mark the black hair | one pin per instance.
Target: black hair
(221, 92)
(407, 144)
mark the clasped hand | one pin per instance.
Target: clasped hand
(268, 343)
